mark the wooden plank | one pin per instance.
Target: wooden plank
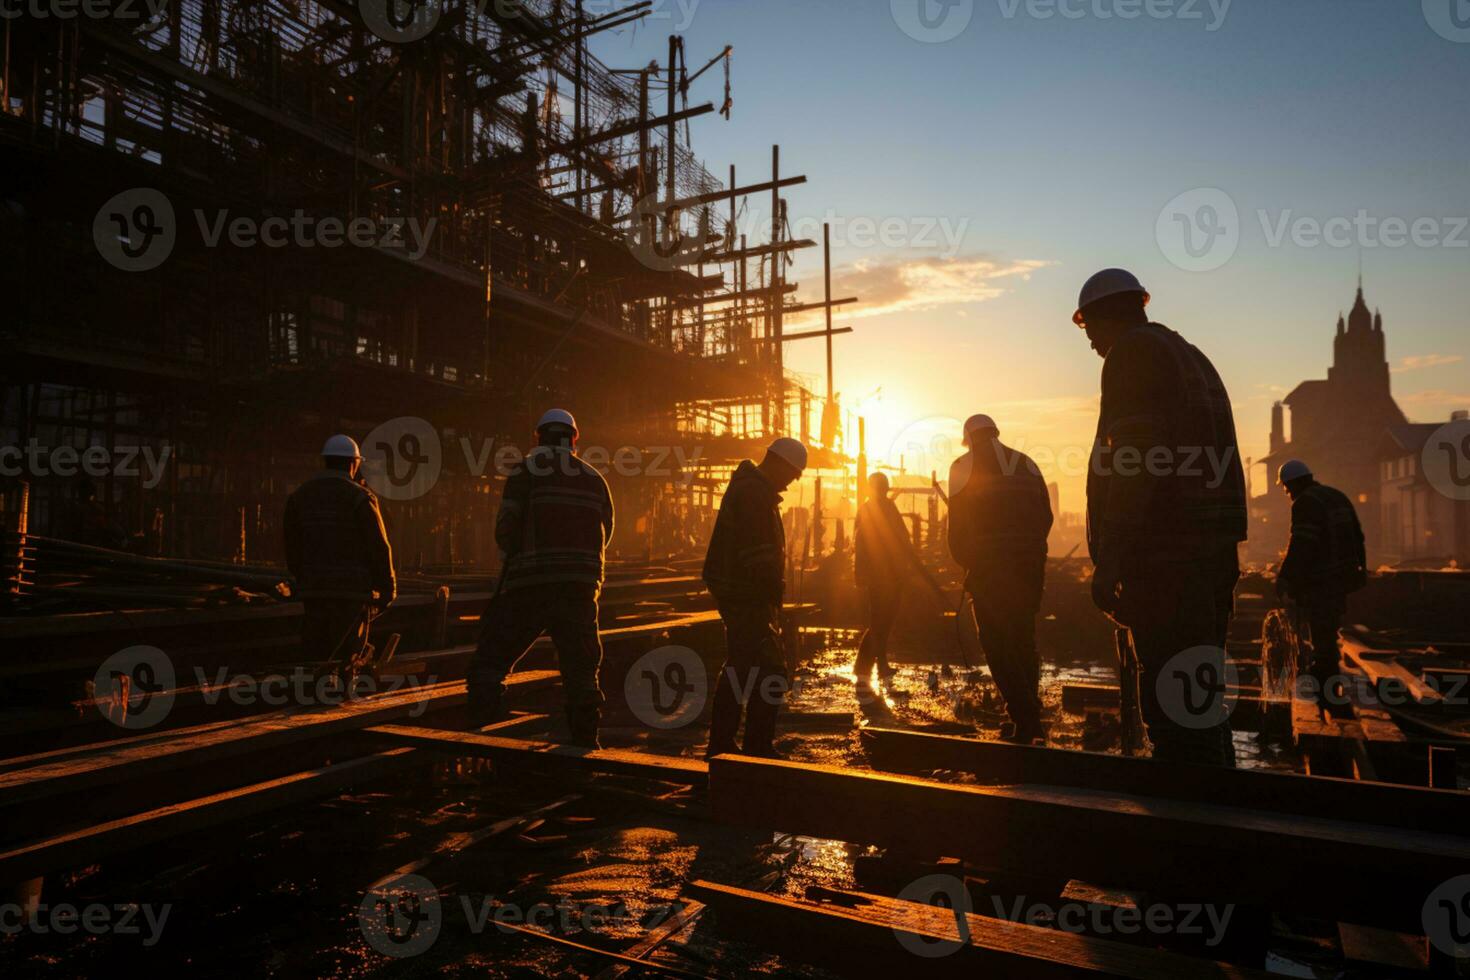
(656, 937)
(550, 755)
(878, 935)
(1372, 874)
(1395, 683)
(108, 764)
(101, 840)
(1383, 947)
(1442, 811)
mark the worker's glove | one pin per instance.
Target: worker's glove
(1107, 581)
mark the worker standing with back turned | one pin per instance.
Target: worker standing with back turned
(555, 519)
(339, 554)
(999, 519)
(883, 558)
(1165, 509)
(1325, 562)
(745, 571)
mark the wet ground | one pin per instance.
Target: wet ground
(606, 859)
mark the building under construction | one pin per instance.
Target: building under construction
(537, 231)
(233, 228)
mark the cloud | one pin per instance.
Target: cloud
(1415, 362)
(898, 285)
(1434, 402)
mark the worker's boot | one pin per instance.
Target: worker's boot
(583, 721)
(486, 706)
(724, 719)
(760, 719)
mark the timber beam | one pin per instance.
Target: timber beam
(1371, 874)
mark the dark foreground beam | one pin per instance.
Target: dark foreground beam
(879, 935)
(1376, 875)
(1439, 810)
(106, 763)
(549, 755)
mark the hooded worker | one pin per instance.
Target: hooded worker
(883, 559)
(745, 571)
(1165, 506)
(338, 552)
(1325, 562)
(555, 520)
(999, 519)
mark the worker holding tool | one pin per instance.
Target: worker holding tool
(1165, 509)
(883, 558)
(745, 572)
(1325, 562)
(999, 519)
(338, 552)
(554, 523)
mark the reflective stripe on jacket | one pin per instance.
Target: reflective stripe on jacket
(555, 519)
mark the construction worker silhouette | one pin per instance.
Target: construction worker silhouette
(1325, 562)
(1165, 504)
(999, 519)
(555, 520)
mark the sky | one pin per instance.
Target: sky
(979, 159)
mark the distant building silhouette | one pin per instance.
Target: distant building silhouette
(1337, 428)
(1421, 525)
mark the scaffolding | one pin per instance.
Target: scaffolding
(580, 255)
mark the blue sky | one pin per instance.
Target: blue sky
(1054, 143)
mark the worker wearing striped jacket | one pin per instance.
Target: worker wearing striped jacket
(555, 519)
(745, 572)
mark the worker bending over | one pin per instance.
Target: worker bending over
(555, 520)
(338, 552)
(883, 558)
(745, 571)
(999, 519)
(1324, 564)
(1165, 507)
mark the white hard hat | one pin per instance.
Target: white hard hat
(976, 423)
(1292, 469)
(342, 447)
(791, 450)
(557, 416)
(1108, 282)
